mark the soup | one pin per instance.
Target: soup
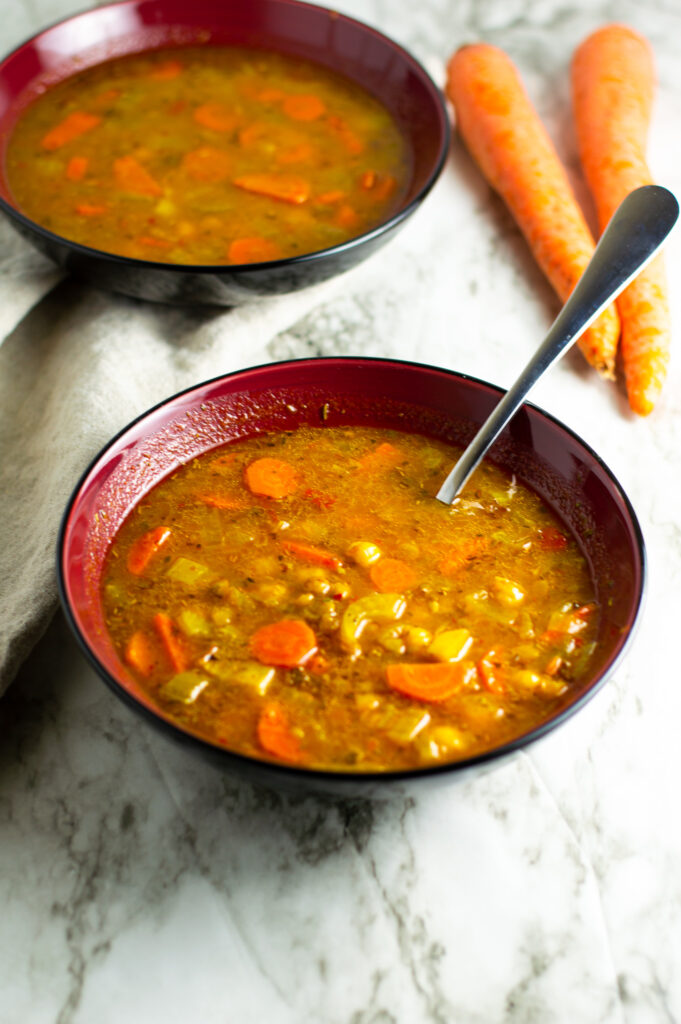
(207, 155)
(303, 597)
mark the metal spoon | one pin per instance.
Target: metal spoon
(636, 231)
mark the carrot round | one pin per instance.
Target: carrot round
(145, 547)
(304, 107)
(275, 736)
(392, 576)
(273, 478)
(503, 132)
(613, 79)
(287, 643)
(429, 682)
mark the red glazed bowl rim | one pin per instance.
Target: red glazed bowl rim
(282, 772)
(401, 214)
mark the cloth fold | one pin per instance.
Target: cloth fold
(76, 365)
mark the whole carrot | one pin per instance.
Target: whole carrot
(503, 132)
(613, 80)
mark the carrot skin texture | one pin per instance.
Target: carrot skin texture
(515, 154)
(613, 80)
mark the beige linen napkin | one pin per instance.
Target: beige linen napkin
(76, 365)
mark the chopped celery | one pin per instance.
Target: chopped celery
(442, 741)
(367, 701)
(221, 616)
(184, 570)
(551, 686)
(193, 623)
(399, 725)
(247, 673)
(479, 603)
(451, 645)
(184, 687)
(527, 653)
(524, 625)
(380, 608)
(240, 600)
(432, 458)
(114, 592)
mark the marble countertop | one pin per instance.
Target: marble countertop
(139, 885)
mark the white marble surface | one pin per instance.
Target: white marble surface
(138, 885)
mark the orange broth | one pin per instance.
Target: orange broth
(303, 597)
(207, 155)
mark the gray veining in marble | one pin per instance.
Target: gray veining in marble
(139, 885)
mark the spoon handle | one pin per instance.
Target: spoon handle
(636, 231)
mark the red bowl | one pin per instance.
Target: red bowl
(542, 452)
(287, 26)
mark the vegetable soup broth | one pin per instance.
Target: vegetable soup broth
(304, 597)
(207, 155)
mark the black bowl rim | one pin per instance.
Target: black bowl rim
(239, 269)
(328, 778)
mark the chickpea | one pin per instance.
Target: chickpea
(364, 553)
(319, 586)
(416, 638)
(272, 594)
(329, 619)
(508, 592)
(390, 638)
